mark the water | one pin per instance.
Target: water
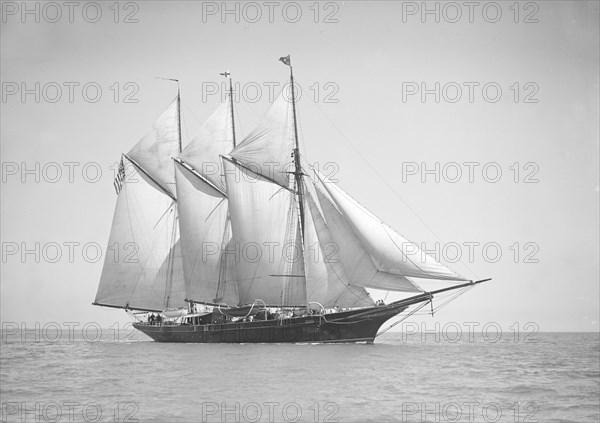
(550, 377)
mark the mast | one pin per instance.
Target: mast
(231, 103)
(169, 282)
(179, 115)
(227, 75)
(297, 166)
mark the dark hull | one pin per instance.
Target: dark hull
(349, 326)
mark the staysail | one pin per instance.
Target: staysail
(326, 280)
(389, 251)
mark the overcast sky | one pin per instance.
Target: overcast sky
(362, 66)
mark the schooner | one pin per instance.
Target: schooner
(237, 242)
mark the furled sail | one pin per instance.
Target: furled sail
(203, 220)
(326, 279)
(142, 268)
(267, 149)
(354, 257)
(154, 151)
(389, 251)
(214, 138)
(264, 223)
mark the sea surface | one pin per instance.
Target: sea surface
(64, 376)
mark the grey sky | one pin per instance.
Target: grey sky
(375, 137)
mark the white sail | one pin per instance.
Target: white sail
(354, 257)
(154, 152)
(214, 138)
(389, 250)
(326, 279)
(268, 148)
(142, 267)
(203, 221)
(264, 229)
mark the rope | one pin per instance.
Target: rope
(403, 319)
(455, 296)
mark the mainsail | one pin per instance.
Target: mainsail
(204, 214)
(145, 224)
(264, 223)
(142, 268)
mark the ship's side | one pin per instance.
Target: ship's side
(348, 326)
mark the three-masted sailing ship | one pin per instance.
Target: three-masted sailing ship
(227, 241)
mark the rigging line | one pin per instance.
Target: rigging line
(170, 266)
(338, 277)
(461, 292)
(385, 182)
(185, 125)
(141, 265)
(190, 111)
(239, 123)
(251, 109)
(402, 319)
(163, 215)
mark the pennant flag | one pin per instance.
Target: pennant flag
(286, 60)
(118, 183)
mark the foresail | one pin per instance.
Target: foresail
(154, 152)
(142, 267)
(326, 279)
(214, 138)
(390, 251)
(353, 256)
(268, 148)
(203, 221)
(264, 225)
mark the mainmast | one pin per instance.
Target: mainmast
(297, 166)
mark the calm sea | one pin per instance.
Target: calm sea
(64, 377)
